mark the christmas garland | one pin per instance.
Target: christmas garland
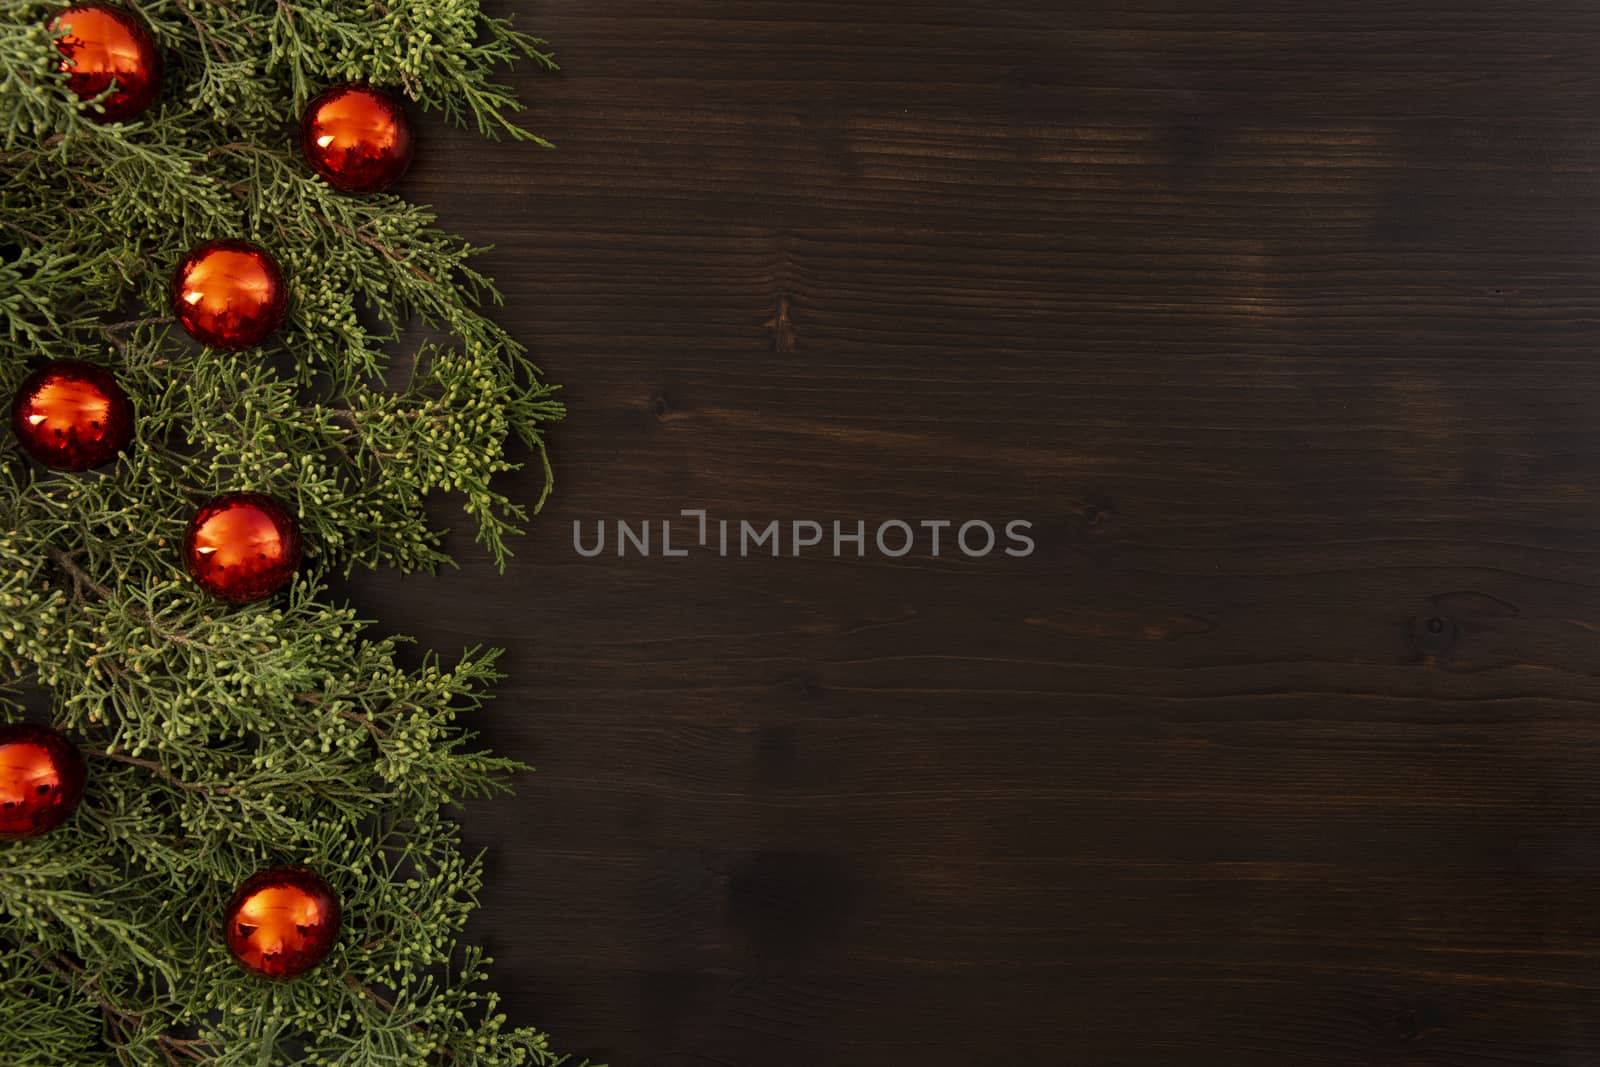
(203, 292)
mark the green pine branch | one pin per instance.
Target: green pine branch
(223, 739)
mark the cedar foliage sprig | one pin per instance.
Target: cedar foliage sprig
(222, 739)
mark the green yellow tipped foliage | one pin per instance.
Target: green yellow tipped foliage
(223, 739)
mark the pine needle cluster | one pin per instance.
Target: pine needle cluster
(224, 739)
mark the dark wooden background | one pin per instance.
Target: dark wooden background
(1280, 319)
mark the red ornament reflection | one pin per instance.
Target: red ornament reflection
(41, 780)
(229, 294)
(358, 138)
(242, 547)
(282, 922)
(105, 45)
(72, 415)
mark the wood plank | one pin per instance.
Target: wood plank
(1278, 322)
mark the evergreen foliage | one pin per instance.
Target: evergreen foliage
(221, 740)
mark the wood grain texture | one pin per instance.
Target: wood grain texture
(1280, 324)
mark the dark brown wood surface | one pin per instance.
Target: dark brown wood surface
(1279, 319)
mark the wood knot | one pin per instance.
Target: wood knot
(784, 338)
(1096, 512)
(1412, 1022)
(1433, 635)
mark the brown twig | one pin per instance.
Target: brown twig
(82, 579)
(372, 242)
(13, 227)
(205, 34)
(163, 772)
(316, 701)
(387, 1005)
(119, 1018)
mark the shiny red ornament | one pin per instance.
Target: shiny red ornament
(105, 45)
(242, 547)
(72, 415)
(41, 780)
(229, 294)
(358, 138)
(282, 922)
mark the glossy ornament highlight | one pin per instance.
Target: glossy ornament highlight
(242, 547)
(282, 922)
(358, 138)
(72, 415)
(106, 46)
(41, 780)
(229, 294)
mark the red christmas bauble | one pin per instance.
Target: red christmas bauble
(282, 922)
(72, 415)
(242, 547)
(229, 294)
(358, 138)
(41, 780)
(103, 45)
